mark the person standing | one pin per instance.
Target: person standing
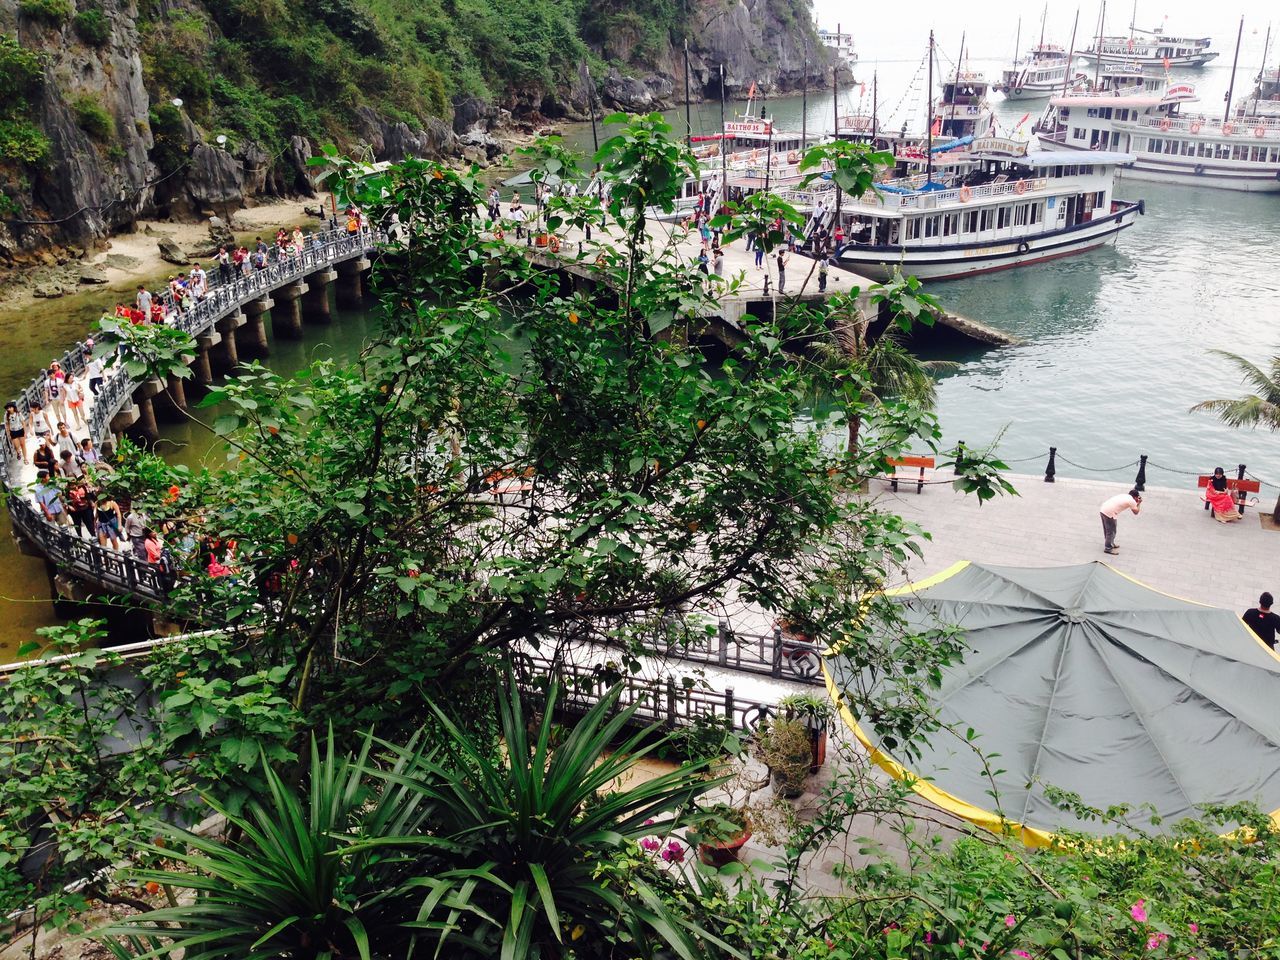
(143, 301)
(1262, 621)
(135, 531)
(1111, 509)
(107, 515)
(759, 254)
(81, 511)
(17, 427)
(75, 402)
(54, 387)
(822, 275)
(50, 500)
(224, 265)
(719, 263)
(782, 271)
(517, 215)
(45, 457)
(93, 373)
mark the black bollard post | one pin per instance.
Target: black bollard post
(1240, 494)
(1140, 481)
(959, 457)
(1051, 469)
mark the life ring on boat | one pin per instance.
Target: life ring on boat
(1259, 131)
(1017, 90)
(1023, 247)
(1228, 129)
(1020, 187)
(965, 194)
(1165, 123)
(793, 157)
(1195, 126)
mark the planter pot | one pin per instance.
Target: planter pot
(818, 748)
(716, 853)
(541, 240)
(787, 786)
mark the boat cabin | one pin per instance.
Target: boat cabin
(963, 108)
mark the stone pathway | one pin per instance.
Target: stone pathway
(1174, 545)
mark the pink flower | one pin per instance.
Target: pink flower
(1023, 954)
(649, 822)
(1010, 921)
(983, 948)
(673, 852)
(1156, 940)
(650, 844)
(928, 938)
(892, 926)
(1193, 927)
(1139, 911)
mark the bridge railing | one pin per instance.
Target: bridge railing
(85, 557)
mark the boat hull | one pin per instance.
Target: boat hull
(965, 260)
(1032, 91)
(1112, 60)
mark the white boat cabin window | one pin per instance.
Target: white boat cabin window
(971, 221)
(950, 224)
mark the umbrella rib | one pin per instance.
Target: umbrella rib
(1048, 714)
(944, 697)
(1124, 690)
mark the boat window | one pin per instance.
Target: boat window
(1036, 216)
(1077, 133)
(986, 219)
(1002, 217)
(913, 228)
(1188, 148)
(971, 221)
(930, 226)
(1275, 155)
(1157, 146)
(1020, 214)
(950, 224)
(1086, 169)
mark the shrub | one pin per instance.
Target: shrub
(21, 74)
(52, 12)
(92, 26)
(93, 118)
(22, 141)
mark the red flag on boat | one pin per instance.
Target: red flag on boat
(1166, 63)
(937, 126)
(751, 94)
(1025, 118)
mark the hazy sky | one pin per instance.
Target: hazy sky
(890, 31)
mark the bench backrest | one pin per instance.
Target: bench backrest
(921, 462)
(1239, 486)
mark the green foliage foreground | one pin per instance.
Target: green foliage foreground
(377, 583)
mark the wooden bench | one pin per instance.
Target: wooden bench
(1241, 489)
(898, 463)
(509, 486)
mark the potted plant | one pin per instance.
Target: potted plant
(816, 714)
(721, 834)
(784, 747)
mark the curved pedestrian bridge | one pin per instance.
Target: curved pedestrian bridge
(227, 323)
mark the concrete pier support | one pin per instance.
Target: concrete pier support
(315, 302)
(201, 366)
(286, 315)
(171, 402)
(227, 357)
(146, 423)
(350, 289)
(251, 339)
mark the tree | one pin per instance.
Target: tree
(1258, 409)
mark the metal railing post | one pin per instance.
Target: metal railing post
(1140, 481)
(776, 669)
(1051, 469)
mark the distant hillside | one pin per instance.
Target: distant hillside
(90, 139)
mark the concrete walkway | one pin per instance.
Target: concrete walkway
(1174, 545)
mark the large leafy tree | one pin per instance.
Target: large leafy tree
(1258, 409)
(378, 559)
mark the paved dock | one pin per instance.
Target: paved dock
(1173, 545)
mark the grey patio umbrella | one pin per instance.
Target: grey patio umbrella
(1084, 679)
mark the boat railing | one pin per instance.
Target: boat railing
(1252, 128)
(938, 198)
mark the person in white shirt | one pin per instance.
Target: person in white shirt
(199, 282)
(1111, 509)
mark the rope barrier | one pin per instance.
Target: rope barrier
(1080, 466)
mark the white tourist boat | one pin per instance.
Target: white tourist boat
(1013, 208)
(1265, 99)
(1041, 73)
(1145, 116)
(841, 46)
(1151, 48)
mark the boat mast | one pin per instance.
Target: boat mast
(1071, 53)
(1097, 69)
(956, 90)
(1017, 43)
(1231, 89)
(1266, 48)
(928, 160)
(875, 106)
(835, 113)
(1043, 17)
(688, 114)
(1133, 21)
(804, 99)
(724, 170)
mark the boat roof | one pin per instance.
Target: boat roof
(1053, 158)
(1105, 100)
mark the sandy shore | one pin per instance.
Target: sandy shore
(142, 249)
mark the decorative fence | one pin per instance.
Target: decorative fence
(86, 558)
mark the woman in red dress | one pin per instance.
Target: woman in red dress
(1220, 499)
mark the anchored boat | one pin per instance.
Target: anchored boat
(1143, 114)
(1037, 75)
(1151, 48)
(1013, 208)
